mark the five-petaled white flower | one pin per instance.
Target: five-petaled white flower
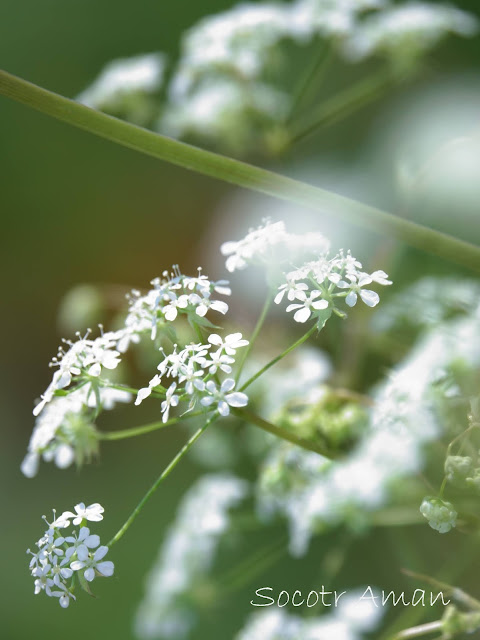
(304, 309)
(291, 288)
(91, 563)
(222, 397)
(83, 542)
(231, 343)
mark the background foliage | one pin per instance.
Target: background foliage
(77, 209)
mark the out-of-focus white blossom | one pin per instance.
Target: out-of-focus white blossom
(329, 18)
(426, 303)
(64, 430)
(125, 87)
(59, 558)
(186, 556)
(403, 420)
(224, 111)
(348, 620)
(270, 243)
(408, 30)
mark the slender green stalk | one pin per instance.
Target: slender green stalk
(254, 336)
(238, 173)
(290, 436)
(459, 595)
(421, 630)
(121, 434)
(279, 357)
(165, 473)
(346, 102)
(314, 72)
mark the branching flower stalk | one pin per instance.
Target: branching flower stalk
(195, 374)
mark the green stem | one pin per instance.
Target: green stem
(290, 436)
(345, 102)
(160, 479)
(121, 434)
(279, 357)
(315, 71)
(422, 630)
(238, 173)
(254, 336)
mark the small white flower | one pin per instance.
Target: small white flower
(304, 309)
(219, 360)
(291, 288)
(93, 512)
(84, 539)
(204, 304)
(171, 400)
(231, 343)
(90, 564)
(171, 310)
(222, 397)
(369, 297)
(192, 378)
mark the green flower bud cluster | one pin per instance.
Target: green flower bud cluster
(458, 470)
(337, 421)
(455, 622)
(440, 514)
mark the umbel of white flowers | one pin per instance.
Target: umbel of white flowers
(63, 560)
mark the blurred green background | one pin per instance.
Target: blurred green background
(77, 209)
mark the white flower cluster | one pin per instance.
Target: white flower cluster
(426, 303)
(271, 244)
(408, 30)
(227, 87)
(352, 618)
(193, 368)
(440, 514)
(311, 288)
(63, 559)
(403, 420)
(186, 556)
(83, 358)
(64, 430)
(172, 295)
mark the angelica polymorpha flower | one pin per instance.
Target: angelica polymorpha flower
(316, 287)
(83, 358)
(172, 295)
(64, 561)
(191, 368)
